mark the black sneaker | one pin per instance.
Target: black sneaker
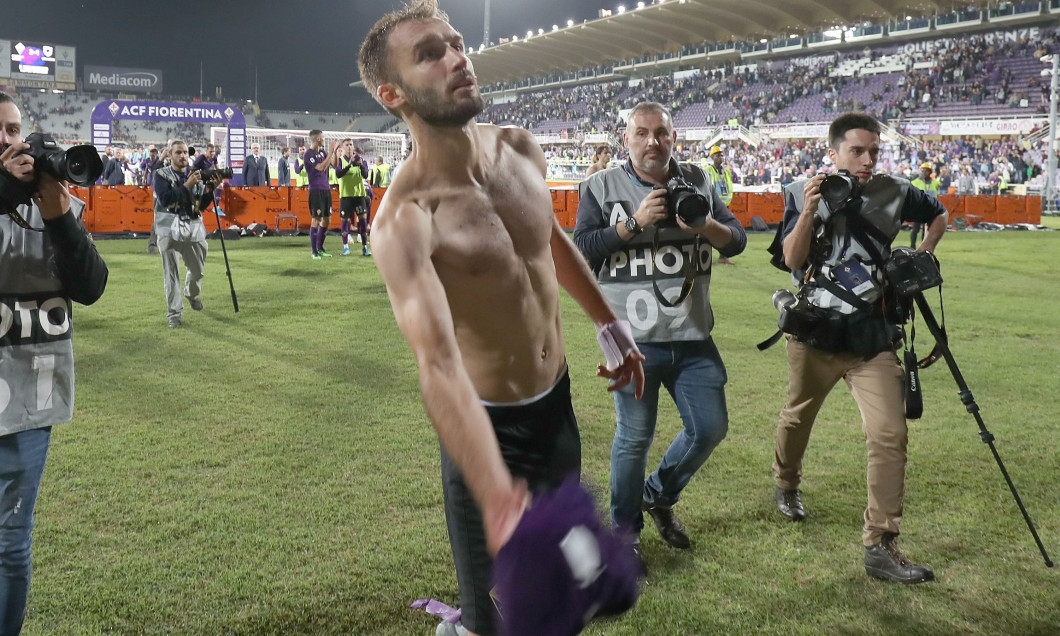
(885, 561)
(789, 503)
(670, 527)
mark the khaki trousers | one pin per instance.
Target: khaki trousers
(878, 388)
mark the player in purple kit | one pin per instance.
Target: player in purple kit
(207, 159)
(316, 163)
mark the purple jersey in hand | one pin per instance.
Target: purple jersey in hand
(561, 568)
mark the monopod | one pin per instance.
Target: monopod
(969, 403)
(228, 268)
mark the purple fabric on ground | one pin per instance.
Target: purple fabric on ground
(437, 608)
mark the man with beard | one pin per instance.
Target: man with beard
(180, 198)
(473, 257)
(43, 269)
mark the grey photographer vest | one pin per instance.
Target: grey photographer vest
(626, 275)
(881, 205)
(166, 216)
(36, 328)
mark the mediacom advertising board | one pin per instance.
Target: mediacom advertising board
(125, 80)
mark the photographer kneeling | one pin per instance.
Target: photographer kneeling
(180, 198)
(647, 228)
(845, 326)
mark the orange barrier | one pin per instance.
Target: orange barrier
(573, 196)
(738, 205)
(559, 206)
(768, 205)
(114, 209)
(126, 209)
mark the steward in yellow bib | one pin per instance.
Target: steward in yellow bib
(925, 182)
(350, 171)
(720, 175)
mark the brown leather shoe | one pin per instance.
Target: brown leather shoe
(789, 503)
(670, 527)
(885, 561)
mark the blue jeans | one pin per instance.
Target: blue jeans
(695, 376)
(22, 458)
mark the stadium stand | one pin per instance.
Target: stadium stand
(976, 62)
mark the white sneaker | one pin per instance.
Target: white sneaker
(450, 629)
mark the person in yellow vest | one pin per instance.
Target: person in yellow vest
(925, 181)
(721, 177)
(301, 177)
(720, 174)
(353, 200)
(379, 174)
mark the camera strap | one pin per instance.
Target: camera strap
(690, 271)
(914, 391)
(936, 352)
(21, 221)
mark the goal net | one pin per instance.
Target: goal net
(390, 146)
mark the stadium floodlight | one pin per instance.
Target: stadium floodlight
(540, 31)
(529, 34)
(570, 23)
(640, 5)
(555, 27)
(621, 8)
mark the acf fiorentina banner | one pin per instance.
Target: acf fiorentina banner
(974, 127)
(104, 114)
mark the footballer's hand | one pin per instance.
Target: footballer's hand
(501, 514)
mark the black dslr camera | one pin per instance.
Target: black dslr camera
(216, 174)
(684, 202)
(911, 272)
(840, 190)
(79, 165)
(797, 315)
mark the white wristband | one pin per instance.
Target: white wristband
(616, 340)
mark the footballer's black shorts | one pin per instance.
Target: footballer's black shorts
(350, 207)
(320, 203)
(539, 442)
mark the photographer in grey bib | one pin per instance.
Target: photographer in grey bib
(180, 198)
(47, 260)
(647, 229)
(843, 325)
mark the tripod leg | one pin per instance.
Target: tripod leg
(224, 250)
(970, 405)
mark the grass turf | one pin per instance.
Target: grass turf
(273, 471)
